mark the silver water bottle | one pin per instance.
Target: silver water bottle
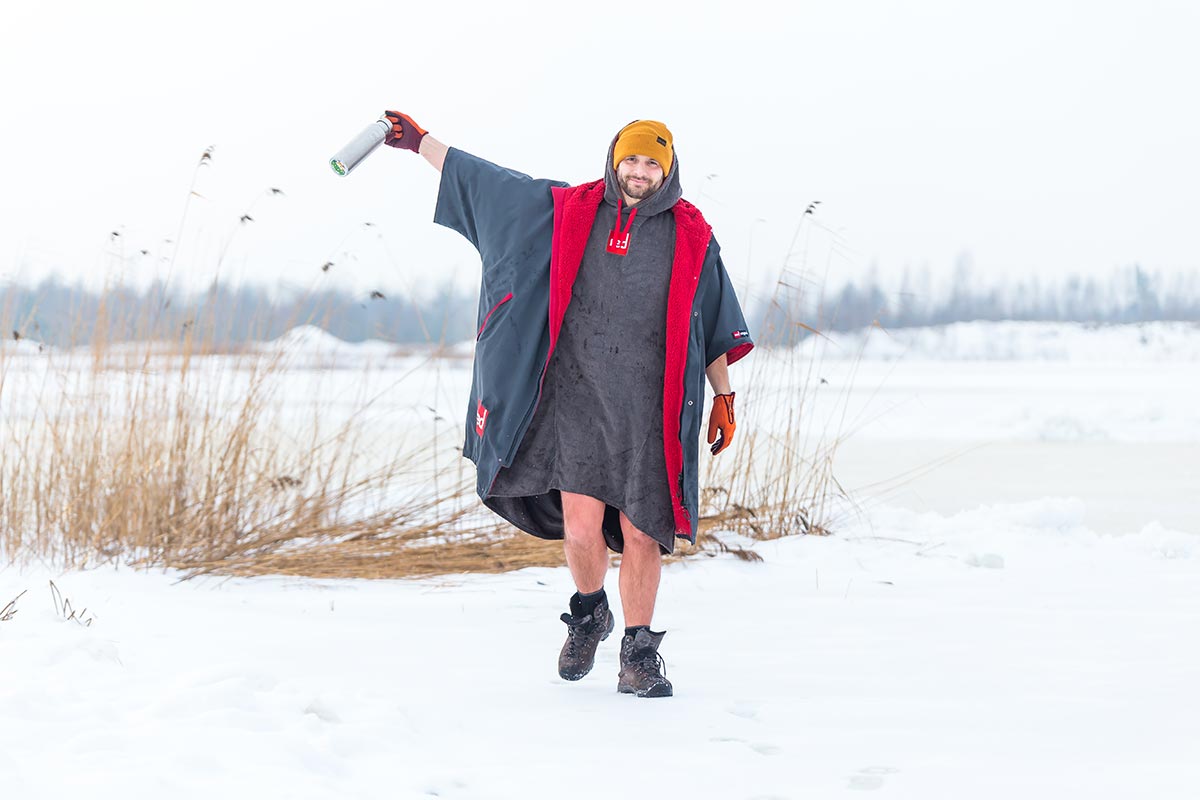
(361, 146)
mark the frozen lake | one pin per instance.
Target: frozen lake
(1123, 438)
(1122, 485)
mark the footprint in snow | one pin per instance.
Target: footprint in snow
(870, 778)
(744, 710)
(762, 748)
(322, 711)
(986, 560)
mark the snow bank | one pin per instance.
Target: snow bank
(313, 347)
(19, 348)
(1022, 341)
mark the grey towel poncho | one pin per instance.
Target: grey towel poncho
(598, 428)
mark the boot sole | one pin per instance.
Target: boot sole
(657, 691)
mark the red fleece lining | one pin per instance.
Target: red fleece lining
(572, 224)
(692, 234)
(737, 352)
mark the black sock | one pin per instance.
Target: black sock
(584, 604)
(632, 631)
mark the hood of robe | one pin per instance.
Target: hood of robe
(663, 198)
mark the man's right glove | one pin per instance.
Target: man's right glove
(405, 133)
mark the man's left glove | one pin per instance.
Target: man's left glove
(721, 419)
(405, 133)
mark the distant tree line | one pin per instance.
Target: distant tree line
(59, 314)
(1126, 296)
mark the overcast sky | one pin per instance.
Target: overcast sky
(1039, 137)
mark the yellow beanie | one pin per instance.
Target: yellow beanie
(645, 137)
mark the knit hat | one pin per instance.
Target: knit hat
(645, 137)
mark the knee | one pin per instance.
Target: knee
(640, 543)
(582, 518)
(575, 532)
(581, 529)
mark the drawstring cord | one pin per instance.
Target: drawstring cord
(629, 226)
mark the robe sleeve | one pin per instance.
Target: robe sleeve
(491, 206)
(725, 329)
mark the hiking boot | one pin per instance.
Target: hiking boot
(642, 668)
(584, 634)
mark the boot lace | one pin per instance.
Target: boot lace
(578, 631)
(649, 663)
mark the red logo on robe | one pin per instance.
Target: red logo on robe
(481, 415)
(618, 240)
(618, 243)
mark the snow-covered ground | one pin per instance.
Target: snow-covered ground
(1010, 612)
(1026, 341)
(986, 413)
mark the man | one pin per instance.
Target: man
(602, 309)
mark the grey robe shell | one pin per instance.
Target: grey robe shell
(509, 218)
(585, 437)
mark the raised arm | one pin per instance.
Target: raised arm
(434, 151)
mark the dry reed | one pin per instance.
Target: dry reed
(10, 608)
(64, 608)
(185, 458)
(177, 451)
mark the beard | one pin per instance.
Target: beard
(638, 192)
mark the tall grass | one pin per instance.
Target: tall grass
(174, 449)
(203, 461)
(778, 478)
(176, 452)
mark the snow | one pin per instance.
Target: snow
(14, 348)
(974, 655)
(1007, 622)
(311, 347)
(1023, 341)
(1015, 400)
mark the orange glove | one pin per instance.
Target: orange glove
(405, 133)
(721, 419)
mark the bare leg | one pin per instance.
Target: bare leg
(641, 569)
(583, 541)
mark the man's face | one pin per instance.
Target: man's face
(639, 177)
